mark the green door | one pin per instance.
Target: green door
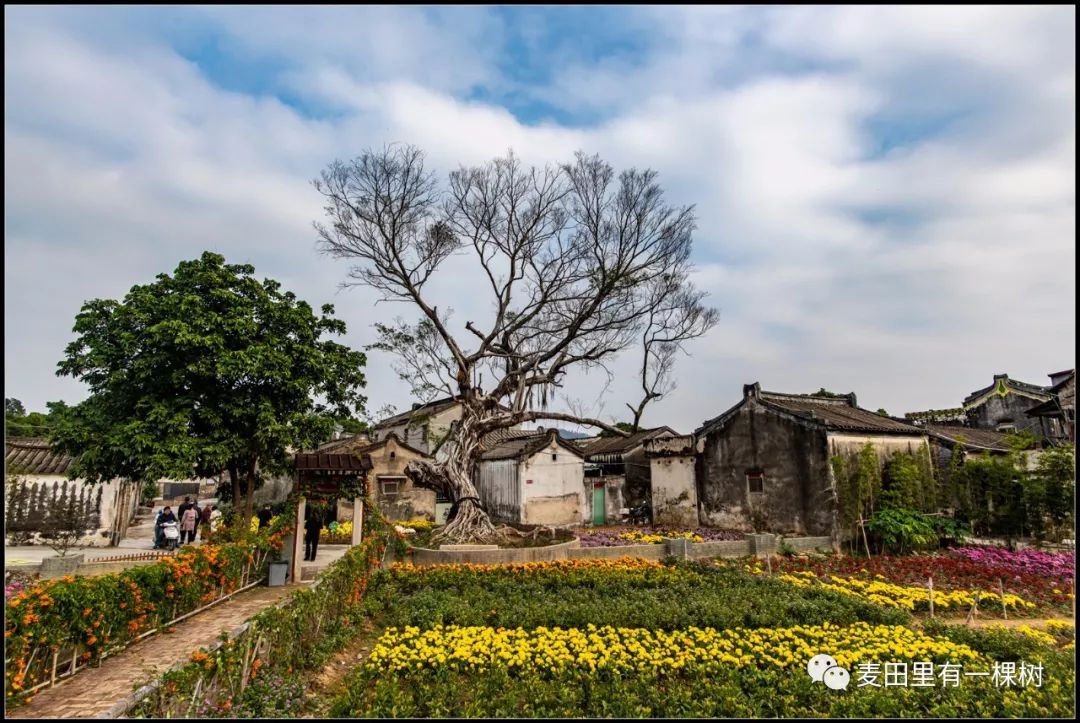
(598, 504)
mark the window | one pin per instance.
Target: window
(389, 487)
(755, 481)
(554, 457)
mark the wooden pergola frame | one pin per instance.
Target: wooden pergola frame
(327, 473)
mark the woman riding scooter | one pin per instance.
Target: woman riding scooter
(166, 515)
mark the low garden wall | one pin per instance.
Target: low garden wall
(754, 544)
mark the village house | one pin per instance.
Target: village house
(1003, 405)
(765, 464)
(394, 493)
(37, 484)
(1057, 415)
(532, 477)
(673, 480)
(618, 472)
(423, 426)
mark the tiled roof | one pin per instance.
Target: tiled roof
(524, 446)
(33, 455)
(345, 444)
(836, 414)
(972, 438)
(614, 446)
(1033, 389)
(421, 410)
(333, 462)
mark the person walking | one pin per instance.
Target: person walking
(265, 516)
(188, 520)
(215, 518)
(312, 527)
(204, 521)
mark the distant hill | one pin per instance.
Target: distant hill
(567, 434)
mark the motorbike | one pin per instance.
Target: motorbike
(641, 514)
(170, 533)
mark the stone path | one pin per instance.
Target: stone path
(89, 693)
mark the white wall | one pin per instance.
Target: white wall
(674, 492)
(556, 495)
(118, 501)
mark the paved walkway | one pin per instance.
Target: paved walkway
(89, 693)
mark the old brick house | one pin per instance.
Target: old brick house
(392, 491)
(618, 471)
(765, 464)
(1057, 415)
(1003, 405)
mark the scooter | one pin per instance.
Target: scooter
(171, 534)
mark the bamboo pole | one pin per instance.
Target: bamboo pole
(862, 526)
(931, 586)
(768, 563)
(1004, 608)
(974, 607)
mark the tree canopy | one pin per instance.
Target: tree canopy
(205, 371)
(577, 263)
(17, 423)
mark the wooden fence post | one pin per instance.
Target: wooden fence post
(1004, 608)
(931, 586)
(974, 607)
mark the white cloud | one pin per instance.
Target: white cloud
(123, 159)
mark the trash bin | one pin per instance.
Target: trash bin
(279, 573)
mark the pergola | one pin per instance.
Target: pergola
(328, 475)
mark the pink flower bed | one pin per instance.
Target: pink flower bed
(1057, 565)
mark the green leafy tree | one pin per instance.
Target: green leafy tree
(624, 426)
(1054, 480)
(204, 371)
(13, 408)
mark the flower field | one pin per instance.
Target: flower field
(627, 650)
(635, 638)
(1035, 583)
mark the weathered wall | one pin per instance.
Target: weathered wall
(674, 491)
(423, 432)
(410, 502)
(1010, 409)
(884, 444)
(554, 489)
(113, 512)
(499, 487)
(797, 495)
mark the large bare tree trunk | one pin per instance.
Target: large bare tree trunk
(452, 475)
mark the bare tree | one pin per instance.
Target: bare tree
(578, 262)
(676, 315)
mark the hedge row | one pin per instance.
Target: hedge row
(255, 674)
(78, 620)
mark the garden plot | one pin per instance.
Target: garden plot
(635, 638)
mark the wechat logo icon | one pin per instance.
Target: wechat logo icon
(824, 669)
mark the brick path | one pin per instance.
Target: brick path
(91, 692)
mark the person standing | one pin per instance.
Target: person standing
(265, 516)
(188, 520)
(312, 528)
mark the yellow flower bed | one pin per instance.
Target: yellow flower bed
(900, 596)
(641, 649)
(652, 539)
(1038, 635)
(1061, 627)
(419, 524)
(622, 563)
(255, 522)
(343, 529)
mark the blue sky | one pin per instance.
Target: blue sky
(886, 195)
